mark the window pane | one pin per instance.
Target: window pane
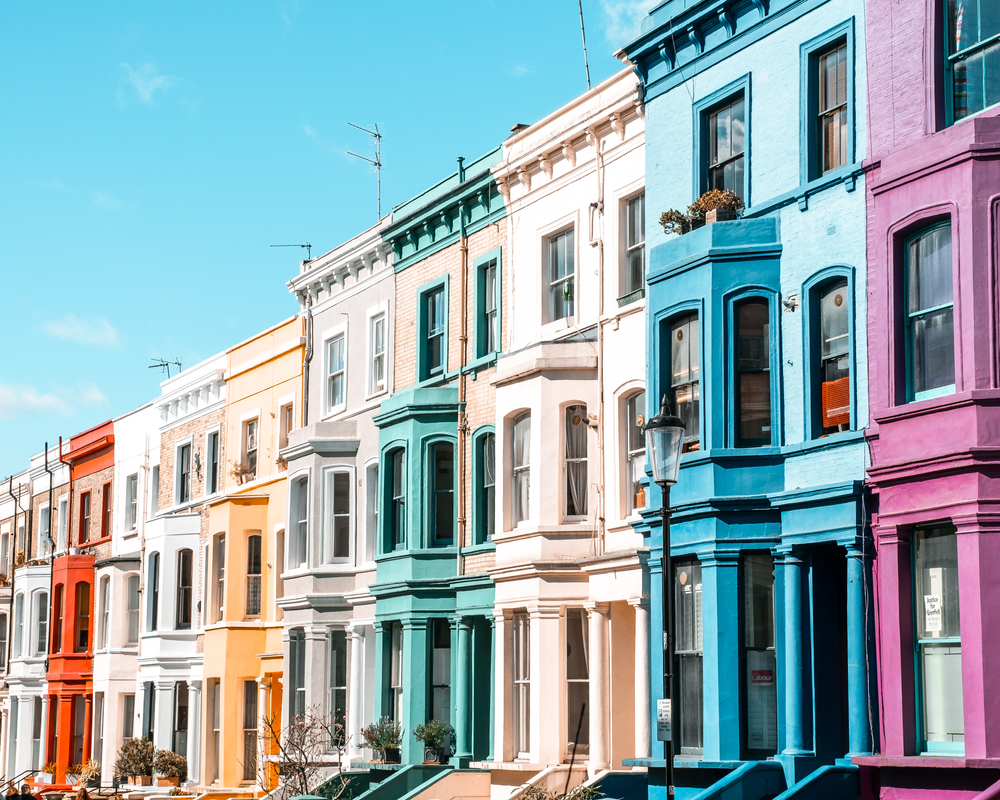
(754, 378)
(688, 621)
(522, 471)
(937, 584)
(933, 351)
(576, 460)
(444, 491)
(341, 515)
(930, 278)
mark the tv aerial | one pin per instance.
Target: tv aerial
(164, 364)
(376, 162)
(307, 246)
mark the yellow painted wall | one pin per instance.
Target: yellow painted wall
(261, 374)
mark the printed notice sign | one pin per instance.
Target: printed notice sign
(663, 733)
(932, 613)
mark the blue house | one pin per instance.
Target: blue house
(756, 335)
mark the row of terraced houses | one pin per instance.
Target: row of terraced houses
(425, 496)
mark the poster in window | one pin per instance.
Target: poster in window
(762, 701)
(932, 613)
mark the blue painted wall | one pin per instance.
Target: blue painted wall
(799, 499)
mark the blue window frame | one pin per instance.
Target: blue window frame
(827, 94)
(442, 493)
(396, 540)
(722, 128)
(487, 324)
(752, 379)
(972, 53)
(484, 480)
(928, 312)
(829, 351)
(432, 315)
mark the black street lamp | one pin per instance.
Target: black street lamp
(664, 443)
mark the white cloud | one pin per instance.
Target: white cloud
(106, 201)
(89, 395)
(145, 81)
(623, 18)
(18, 400)
(96, 332)
(518, 70)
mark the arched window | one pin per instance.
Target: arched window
(397, 519)
(298, 555)
(371, 506)
(521, 476)
(185, 569)
(82, 617)
(685, 377)
(634, 468)
(485, 490)
(753, 373)
(132, 610)
(443, 493)
(832, 361)
(153, 589)
(41, 623)
(3, 641)
(253, 575)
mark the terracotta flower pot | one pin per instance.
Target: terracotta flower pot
(719, 215)
(163, 780)
(142, 780)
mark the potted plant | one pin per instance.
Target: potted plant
(170, 768)
(433, 735)
(135, 761)
(370, 740)
(716, 205)
(391, 739)
(90, 774)
(73, 772)
(47, 775)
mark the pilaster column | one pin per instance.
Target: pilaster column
(723, 679)
(263, 698)
(383, 663)
(792, 568)
(416, 679)
(503, 668)
(63, 744)
(598, 684)
(356, 690)
(547, 726)
(317, 672)
(463, 692)
(859, 735)
(45, 725)
(643, 733)
(194, 732)
(286, 700)
(163, 716)
(88, 726)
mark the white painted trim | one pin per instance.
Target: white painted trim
(327, 336)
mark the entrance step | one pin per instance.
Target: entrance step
(755, 780)
(834, 782)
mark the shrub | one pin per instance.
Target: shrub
(170, 765)
(725, 199)
(433, 733)
(135, 757)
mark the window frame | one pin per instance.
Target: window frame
(132, 613)
(106, 509)
(424, 370)
(774, 366)
(629, 399)
(906, 317)
(810, 165)
(180, 589)
(746, 648)
(212, 435)
(179, 476)
(40, 622)
(433, 490)
(692, 442)
(17, 639)
(251, 419)
(480, 327)
(329, 337)
(571, 278)
(104, 621)
(395, 523)
(297, 536)
(153, 571)
(83, 615)
(248, 610)
(480, 522)
(702, 109)
(812, 347)
(329, 514)
(516, 470)
(131, 502)
(62, 522)
(379, 312)
(372, 515)
(566, 460)
(627, 293)
(949, 60)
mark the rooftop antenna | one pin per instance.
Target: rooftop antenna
(583, 33)
(377, 162)
(162, 363)
(307, 246)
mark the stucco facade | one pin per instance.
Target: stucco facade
(571, 611)
(932, 208)
(756, 335)
(243, 557)
(348, 305)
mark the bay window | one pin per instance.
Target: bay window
(635, 453)
(185, 589)
(577, 681)
(753, 373)
(521, 675)
(832, 359)
(442, 493)
(397, 517)
(576, 461)
(337, 516)
(521, 477)
(690, 655)
(253, 592)
(685, 377)
(929, 315)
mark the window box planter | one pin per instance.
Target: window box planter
(164, 780)
(44, 777)
(392, 755)
(142, 780)
(631, 297)
(378, 757)
(434, 755)
(719, 215)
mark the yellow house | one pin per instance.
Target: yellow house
(243, 556)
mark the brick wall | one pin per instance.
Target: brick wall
(195, 430)
(99, 484)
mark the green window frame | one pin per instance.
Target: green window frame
(432, 328)
(972, 57)
(487, 325)
(441, 462)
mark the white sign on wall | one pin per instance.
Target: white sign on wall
(663, 732)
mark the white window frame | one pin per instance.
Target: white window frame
(62, 537)
(104, 621)
(245, 420)
(566, 460)
(326, 501)
(329, 407)
(373, 390)
(154, 490)
(17, 640)
(288, 401)
(514, 471)
(371, 510)
(295, 560)
(626, 250)
(215, 430)
(131, 507)
(625, 455)
(550, 327)
(44, 530)
(40, 648)
(187, 442)
(130, 612)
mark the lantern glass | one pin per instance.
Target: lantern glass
(663, 449)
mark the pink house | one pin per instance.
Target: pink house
(934, 348)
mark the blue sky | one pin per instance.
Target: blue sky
(151, 152)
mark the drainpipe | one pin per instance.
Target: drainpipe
(69, 497)
(602, 484)
(307, 359)
(463, 339)
(52, 550)
(9, 566)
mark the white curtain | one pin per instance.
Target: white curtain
(576, 460)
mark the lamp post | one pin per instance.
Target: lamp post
(664, 442)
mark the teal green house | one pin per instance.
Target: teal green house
(434, 596)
